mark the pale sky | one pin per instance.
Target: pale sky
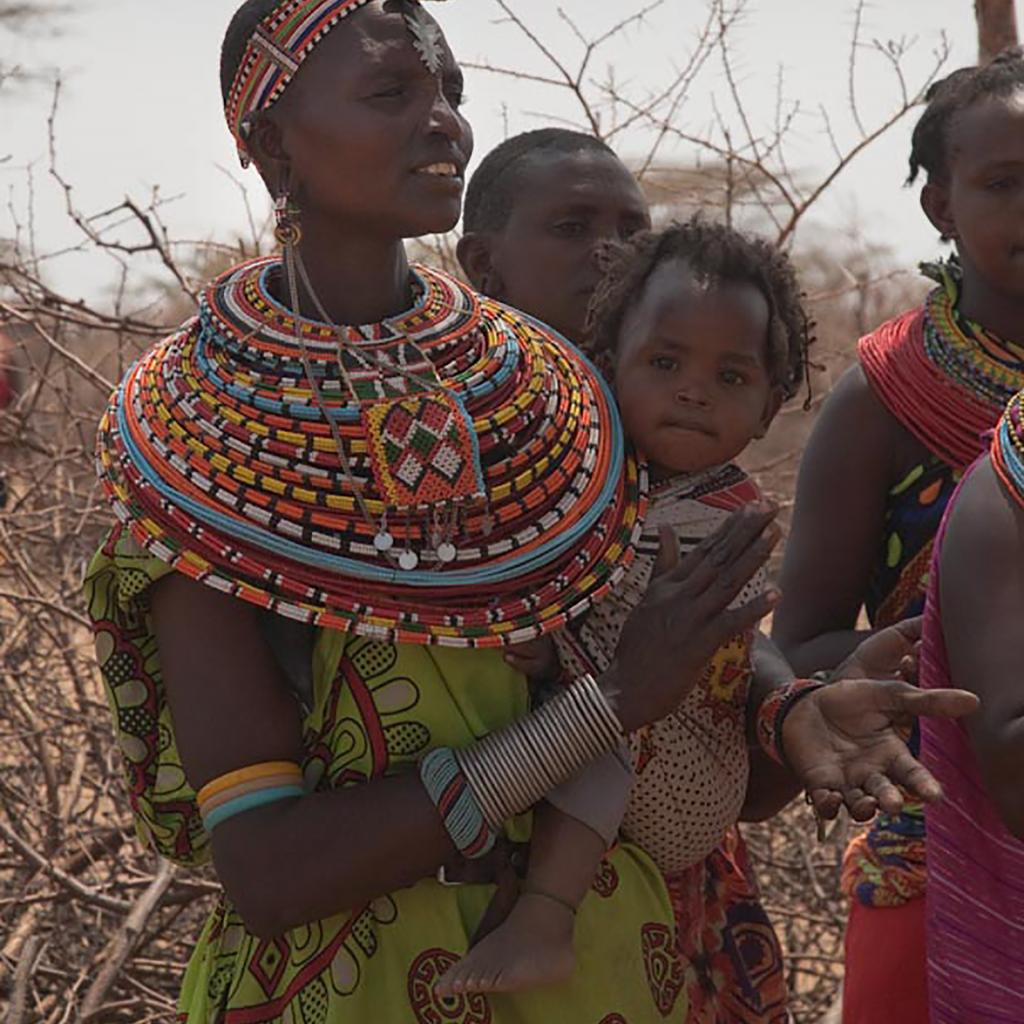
(141, 101)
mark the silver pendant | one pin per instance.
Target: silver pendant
(426, 38)
(446, 553)
(383, 542)
(408, 560)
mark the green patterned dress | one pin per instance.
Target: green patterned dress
(375, 709)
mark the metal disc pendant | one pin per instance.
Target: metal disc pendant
(446, 553)
(383, 541)
(408, 560)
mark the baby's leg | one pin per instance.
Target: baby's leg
(533, 945)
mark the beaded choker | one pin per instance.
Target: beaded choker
(975, 359)
(944, 378)
(482, 494)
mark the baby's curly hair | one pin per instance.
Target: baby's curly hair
(716, 253)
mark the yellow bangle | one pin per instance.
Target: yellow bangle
(255, 772)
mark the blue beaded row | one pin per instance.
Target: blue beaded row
(260, 538)
(456, 803)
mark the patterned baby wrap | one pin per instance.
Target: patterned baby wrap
(692, 766)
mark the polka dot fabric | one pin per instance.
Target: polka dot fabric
(691, 767)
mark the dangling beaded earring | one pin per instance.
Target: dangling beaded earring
(288, 228)
(288, 232)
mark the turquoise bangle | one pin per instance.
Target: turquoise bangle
(456, 803)
(249, 802)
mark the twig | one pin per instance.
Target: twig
(83, 892)
(121, 945)
(84, 368)
(22, 977)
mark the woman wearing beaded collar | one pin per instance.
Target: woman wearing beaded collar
(448, 476)
(975, 906)
(893, 440)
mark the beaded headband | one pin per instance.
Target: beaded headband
(286, 38)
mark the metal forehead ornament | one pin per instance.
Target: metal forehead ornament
(286, 37)
(426, 37)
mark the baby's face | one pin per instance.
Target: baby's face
(691, 376)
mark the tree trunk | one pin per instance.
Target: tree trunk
(997, 27)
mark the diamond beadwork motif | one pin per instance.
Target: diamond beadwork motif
(423, 450)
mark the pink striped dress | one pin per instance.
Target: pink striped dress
(975, 866)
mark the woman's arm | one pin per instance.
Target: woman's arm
(855, 452)
(885, 655)
(982, 580)
(301, 860)
(290, 863)
(770, 786)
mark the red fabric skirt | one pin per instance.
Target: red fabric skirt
(886, 965)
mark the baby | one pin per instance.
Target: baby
(702, 332)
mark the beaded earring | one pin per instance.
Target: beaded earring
(287, 226)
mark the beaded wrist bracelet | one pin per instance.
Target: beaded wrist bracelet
(247, 788)
(511, 770)
(457, 804)
(771, 715)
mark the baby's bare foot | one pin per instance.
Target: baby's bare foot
(531, 948)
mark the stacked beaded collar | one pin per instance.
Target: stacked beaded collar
(989, 367)
(478, 446)
(1008, 448)
(946, 379)
(285, 39)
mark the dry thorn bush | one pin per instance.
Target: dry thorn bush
(92, 925)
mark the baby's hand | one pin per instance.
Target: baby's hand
(536, 659)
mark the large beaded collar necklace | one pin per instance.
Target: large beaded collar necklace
(456, 475)
(1007, 450)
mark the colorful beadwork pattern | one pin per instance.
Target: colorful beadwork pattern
(423, 450)
(1007, 450)
(944, 378)
(284, 39)
(772, 714)
(221, 462)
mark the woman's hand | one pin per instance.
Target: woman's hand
(845, 742)
(890, 653)
(536, 659)
(685, 616)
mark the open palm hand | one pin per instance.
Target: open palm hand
(845, 742)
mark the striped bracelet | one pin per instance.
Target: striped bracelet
(245, 789)
(457, 804)
(771, 715)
